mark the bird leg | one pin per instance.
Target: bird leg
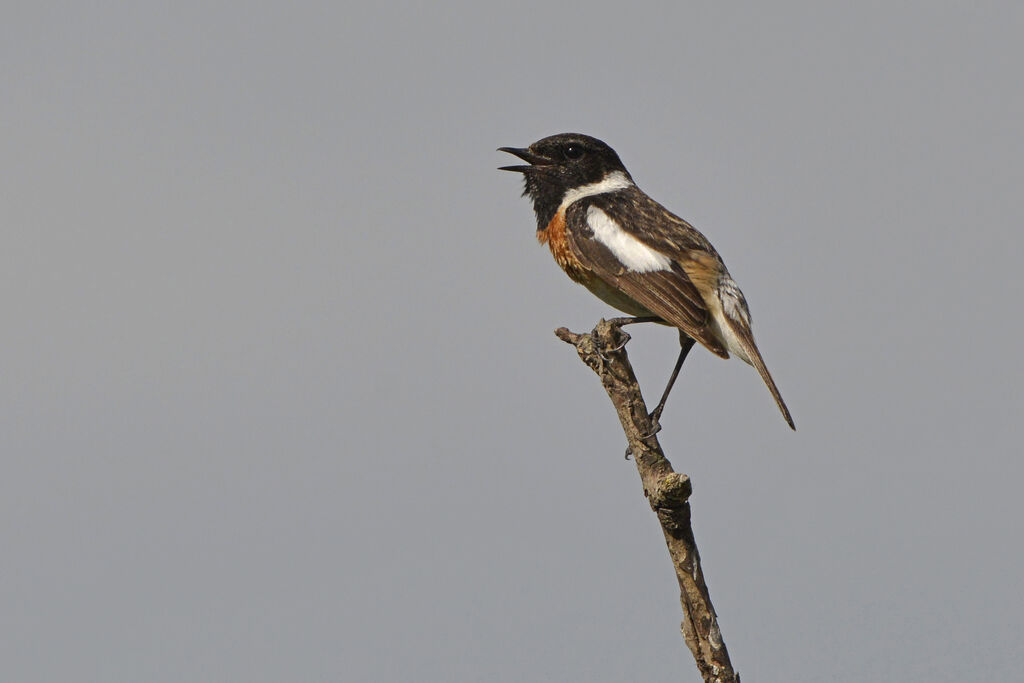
(685, 344)
(619, 322)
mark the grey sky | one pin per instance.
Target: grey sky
(280, 397)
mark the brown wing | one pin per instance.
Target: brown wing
(661, 229)
(669, 294)
(674, 294)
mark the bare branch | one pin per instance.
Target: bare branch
(603, 350)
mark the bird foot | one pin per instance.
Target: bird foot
(655, 419)
(617, 324)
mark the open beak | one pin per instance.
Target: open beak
(525, 154)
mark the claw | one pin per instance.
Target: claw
(625, 340)
(655, 425)
(617, 324)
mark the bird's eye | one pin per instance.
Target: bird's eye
(573, 151)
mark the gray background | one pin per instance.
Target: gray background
(280, 399)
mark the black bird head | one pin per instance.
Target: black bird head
(561, 163)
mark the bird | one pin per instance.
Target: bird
(634, 254)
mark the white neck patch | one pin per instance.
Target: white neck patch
(630, 251)
(610, 183)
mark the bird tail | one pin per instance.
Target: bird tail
(746, 340)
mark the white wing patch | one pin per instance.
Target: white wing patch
(630, 251)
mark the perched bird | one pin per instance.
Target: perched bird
(632, 252)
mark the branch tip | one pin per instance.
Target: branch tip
(567, 336)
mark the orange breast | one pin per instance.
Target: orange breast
(554, 236)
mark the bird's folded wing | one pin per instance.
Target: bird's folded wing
(666, 291)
